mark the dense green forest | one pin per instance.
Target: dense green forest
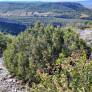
(12, 28)
(50, 59)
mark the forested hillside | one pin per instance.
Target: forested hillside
(12, 28)
(16, 17)
(68, 9)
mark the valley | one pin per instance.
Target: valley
(17, 17)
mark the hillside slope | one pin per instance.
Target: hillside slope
(14, 16)
(66, 9)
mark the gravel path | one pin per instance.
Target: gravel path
(7, 82)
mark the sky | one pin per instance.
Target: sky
(49, 0)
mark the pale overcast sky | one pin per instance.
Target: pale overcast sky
(49, 0)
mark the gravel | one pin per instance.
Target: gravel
(7, 82)
(86, 35)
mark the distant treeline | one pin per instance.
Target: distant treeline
(12, 28)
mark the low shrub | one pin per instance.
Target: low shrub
(42, 50)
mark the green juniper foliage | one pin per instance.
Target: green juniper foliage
(50, 59)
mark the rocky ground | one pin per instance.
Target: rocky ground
(9, 83)
(86, 35)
